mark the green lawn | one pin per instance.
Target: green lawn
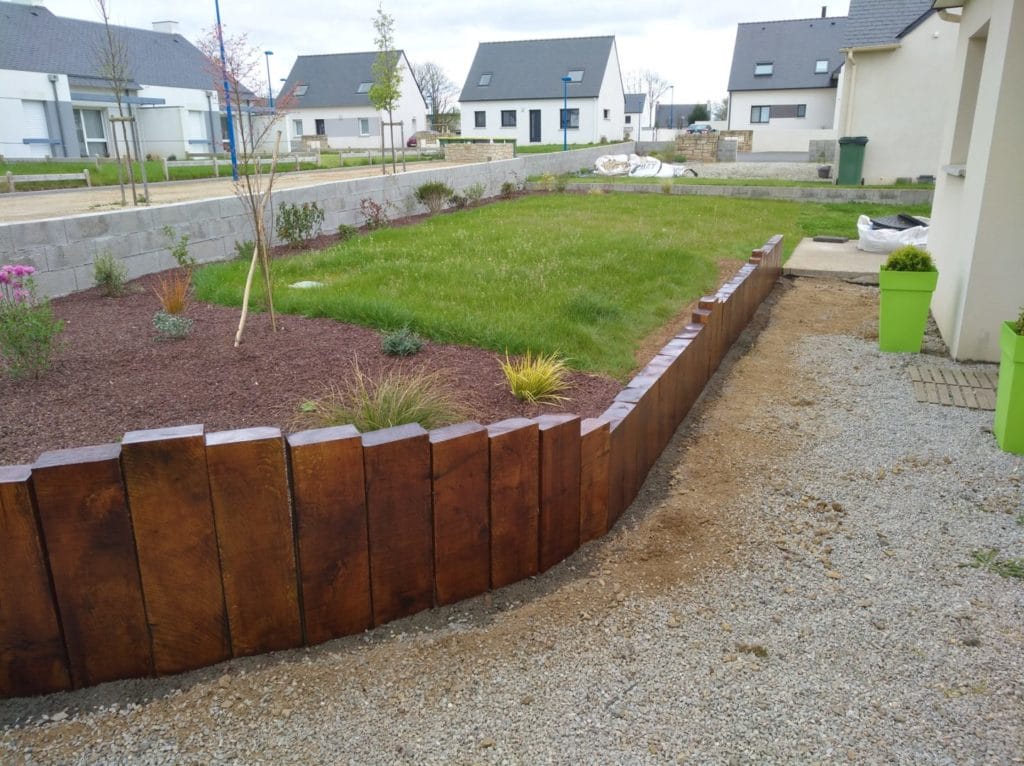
(547, 148)
(587, 276)
(592, 178)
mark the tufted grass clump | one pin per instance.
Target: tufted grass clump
(390, 399)
(401, 342)
(536, 379)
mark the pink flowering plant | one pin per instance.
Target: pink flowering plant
(28, 330)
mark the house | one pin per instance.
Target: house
(519, 90)
(673, 116)
(635, 103)
(55, 100)
(895, 86)
(977, 226)
(329, 102)
(784, 74)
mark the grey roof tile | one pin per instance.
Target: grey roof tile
(881, 22)
(667, 114)
(635, 102)
(533, 69)
(333, 79)
(32, 39)
(792, 47)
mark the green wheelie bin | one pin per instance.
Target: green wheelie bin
(851, 160)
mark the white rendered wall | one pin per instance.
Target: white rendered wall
(788, 140)
(612, 99)
(550, 125)
(821, 104)
(978, 226)
(900, 99)
(15, 87)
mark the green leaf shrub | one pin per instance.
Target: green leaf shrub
(28, 329)
(171, 326)
(346, 232)
(109, 274)
(298, 224)
(909, 258)
(433, 195)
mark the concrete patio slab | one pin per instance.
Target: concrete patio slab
(835, 260)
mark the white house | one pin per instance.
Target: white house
(635, 103)
(56, 102)
(895, 87)
(516, 90)
(327, 99)
(784, 75)
(977, 225)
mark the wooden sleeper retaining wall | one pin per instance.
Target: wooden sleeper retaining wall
(177, 549)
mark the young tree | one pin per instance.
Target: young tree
(633, 82)
(387, 77)
(113, 66)
(436, 87)
(720, 109)
(699, 113)
(257, 126)
(655, 86)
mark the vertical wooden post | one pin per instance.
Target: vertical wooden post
(249, 489)
(332, 544)
(559, 488)
(88, 532)
(88, 178)
(165, 474)
(594, 449)
(167, 170)
(32, 655)
(462, 529)
(397, 465)
(515, 451)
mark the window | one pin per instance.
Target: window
(821, 66)
(485, 79)
(89, 125)
(364, 87)
(297, 127)
(607, 114)
(760, 113)
(364, 126)
(764, 69)
(480, 119)
(801, 110)
(321, 128)
(629, 119)
(575, 75)
(508, 118)
(574, 118)
(300, 90)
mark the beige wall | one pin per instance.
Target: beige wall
(978, 219)
(899, 98)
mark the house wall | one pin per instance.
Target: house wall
(613, 98)
(790, 140)
(633, 126)
(17, 87)
(898, 98)
(551, 132)
(821, 104)
(977, 223)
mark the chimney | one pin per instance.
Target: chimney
(824, 10)
(167, 27)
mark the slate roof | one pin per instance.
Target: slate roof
(792, 47)
(334, 78)
(666, 114)
(533, 69)
(883, 22)
(635, 103)
(32, 39)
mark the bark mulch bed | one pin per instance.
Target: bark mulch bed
(113, 375)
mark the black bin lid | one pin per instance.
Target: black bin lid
(854, 140)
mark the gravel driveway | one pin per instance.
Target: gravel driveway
(788, 588)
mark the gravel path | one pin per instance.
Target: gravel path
(788, 588)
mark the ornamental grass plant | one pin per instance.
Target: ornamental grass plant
(536, 379)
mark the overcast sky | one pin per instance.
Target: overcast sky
(689, 43)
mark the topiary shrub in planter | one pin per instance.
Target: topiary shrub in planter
(1009, 421)
(907, 281)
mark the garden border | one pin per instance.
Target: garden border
(176, 549)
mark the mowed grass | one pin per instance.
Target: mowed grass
(583, 276)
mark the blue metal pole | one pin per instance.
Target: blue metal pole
(672, 109)
(565, 112)
(270, 92)
(227, 94)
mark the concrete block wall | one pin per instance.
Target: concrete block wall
(63, 249)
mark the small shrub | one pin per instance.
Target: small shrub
(909, 258)
(179, 248)
(172, 290)
(547, 182)
(679, 159)
(433, 195)
(1018, 325)
(172, 157)
(374, 213)
(666, 187)
(458, 201)
(298, 224)
(28, 330)
(346, 232)
(109, 274)
(561, 182)
(173, 326)
(509, 189)
(392, 399)
(537, 379)
(400, 342)
(475, 193)
(244, 249)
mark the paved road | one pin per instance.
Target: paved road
(34, 206)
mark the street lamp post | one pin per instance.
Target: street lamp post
(227, 94)
(565, 112)
(270, 91)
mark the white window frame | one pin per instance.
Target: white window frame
(364, 87)
(575, 75)
(364, 121)
(821, 66)
(764, 69)
(297, 126)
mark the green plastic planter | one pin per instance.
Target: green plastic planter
(1009, 424)
(906, 297)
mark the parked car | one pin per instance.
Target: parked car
(412, 142)
(700, 128)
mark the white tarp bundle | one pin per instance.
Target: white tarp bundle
(636, 166)
(886, 240)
